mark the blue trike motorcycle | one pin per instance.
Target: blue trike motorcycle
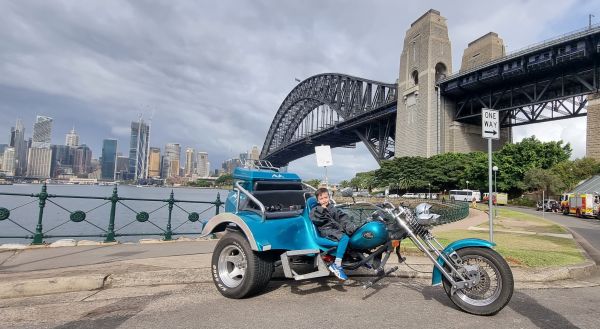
(266, 224)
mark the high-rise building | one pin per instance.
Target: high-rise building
(42, 132)
(154, 162)
(109, 159)
(173, 156)
(39, 162)
(229, 165)
(203, 165)
(82, 160)
(165, 166)
(243, 158)
(72, 138)
(8, 161)
(17, 141)
(62, 161)
(190, 162)
(138, 150)
(122, 167)
(255, 153)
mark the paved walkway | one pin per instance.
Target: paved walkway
(38, 271)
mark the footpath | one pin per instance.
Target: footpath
(32, 271)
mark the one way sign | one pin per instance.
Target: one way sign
(490, 126)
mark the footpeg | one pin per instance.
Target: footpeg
(370, 283)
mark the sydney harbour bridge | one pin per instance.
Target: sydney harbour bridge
(428, 111)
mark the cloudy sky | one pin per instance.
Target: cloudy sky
(212, 74)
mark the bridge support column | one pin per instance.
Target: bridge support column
(592, 145)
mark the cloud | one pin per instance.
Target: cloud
(212, 74)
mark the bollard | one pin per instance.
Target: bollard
(38, 238)
(169, 233)
(218, 203)
(110, 236)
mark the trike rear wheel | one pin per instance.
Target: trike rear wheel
(237, 270)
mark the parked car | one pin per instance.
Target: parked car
(548, 205)
(409, 195)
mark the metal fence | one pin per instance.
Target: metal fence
(110, 233)
(449, 211)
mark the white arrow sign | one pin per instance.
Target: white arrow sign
(490, 124)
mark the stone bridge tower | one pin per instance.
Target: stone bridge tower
(426, 57)
(424, 121)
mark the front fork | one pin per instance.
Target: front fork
(451, 259)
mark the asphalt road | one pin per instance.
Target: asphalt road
(587, 228)
(326, 303)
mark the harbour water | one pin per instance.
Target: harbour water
(24, 211)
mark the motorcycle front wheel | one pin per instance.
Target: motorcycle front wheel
(494, 289)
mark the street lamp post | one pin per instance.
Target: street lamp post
(495, 169)
(429, 191)
(467, 185)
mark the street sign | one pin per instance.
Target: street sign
(323, 153)
(490, 124)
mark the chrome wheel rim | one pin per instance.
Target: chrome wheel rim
(232, 266)
(489, 286)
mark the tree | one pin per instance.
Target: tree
(573, 172)
(226, 179)
(344, 184)
(313, 182)
(538, 179)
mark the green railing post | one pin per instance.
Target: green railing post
(110, 236)
(38, 238)
(169, 233)
(218, 203)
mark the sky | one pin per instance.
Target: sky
(212, 74)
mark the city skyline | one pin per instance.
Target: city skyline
(222, 98)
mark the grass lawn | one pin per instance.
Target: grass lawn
(520, 249)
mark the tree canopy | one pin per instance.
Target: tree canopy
(452, 170)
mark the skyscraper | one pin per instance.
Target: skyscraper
(154, 162)
(190, 161)
(109, 159)
(82, 160)
(203, 165)
(8, 161)
(17, 141)
(138, 150)
(72, 138)
(62, 160)
(255, 153)
(39, 159)
(42, 132)
(173, 156)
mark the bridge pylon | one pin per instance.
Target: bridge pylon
(425, 123)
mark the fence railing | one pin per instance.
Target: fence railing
(449, 211)
(110, 233)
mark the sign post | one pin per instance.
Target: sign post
(490, 129)
(324, 159)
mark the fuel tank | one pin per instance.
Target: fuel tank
(370, 235)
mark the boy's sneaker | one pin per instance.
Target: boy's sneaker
(338, 271)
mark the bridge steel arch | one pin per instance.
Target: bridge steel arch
(352, 98)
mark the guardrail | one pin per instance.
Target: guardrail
(78, 216)
(449, 211)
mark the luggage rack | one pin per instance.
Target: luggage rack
(260, 164)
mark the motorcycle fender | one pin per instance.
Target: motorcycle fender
(436, 277)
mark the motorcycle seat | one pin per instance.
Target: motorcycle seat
(313, 233)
